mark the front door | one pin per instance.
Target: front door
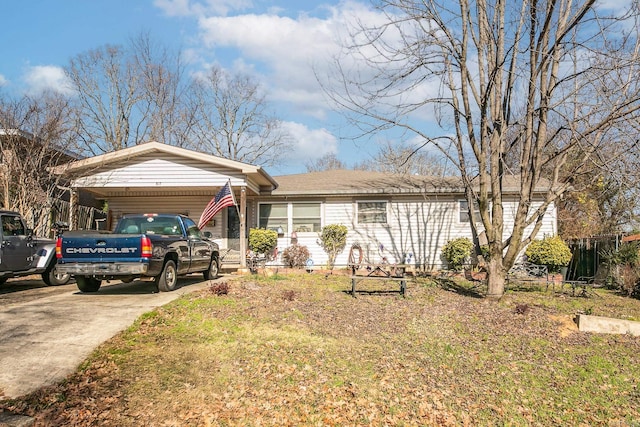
(233, 228)
(16, 247)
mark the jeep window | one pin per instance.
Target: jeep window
(12, 226)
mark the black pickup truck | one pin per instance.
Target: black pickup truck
(148, 247)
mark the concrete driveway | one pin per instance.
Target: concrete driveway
(44, 338)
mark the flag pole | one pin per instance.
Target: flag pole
(234, 198)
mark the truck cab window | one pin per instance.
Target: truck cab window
(192, 228)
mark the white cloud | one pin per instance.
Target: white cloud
(47, 77)
(613, 4)
(294, 53)
(290, 50)
(195, 8)
(309, 144)
(3, 80)
(174, 7)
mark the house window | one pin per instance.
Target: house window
(464, 211)
(273, 216)
(372, 212)
(306, 217)
(298, 217)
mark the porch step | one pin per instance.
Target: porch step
(230, 256)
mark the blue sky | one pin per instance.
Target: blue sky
(281, 42)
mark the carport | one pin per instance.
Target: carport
(156, 177)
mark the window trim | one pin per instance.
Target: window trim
(386, 213)
(289, 219)
(291, 216)
(286, 218)
(476, 212)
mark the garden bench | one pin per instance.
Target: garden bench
(527, 272)
(585, 284)
(395, 273)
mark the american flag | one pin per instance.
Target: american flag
(223, 199)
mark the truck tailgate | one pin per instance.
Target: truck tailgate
(101, 248)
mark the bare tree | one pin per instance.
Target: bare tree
(234, 119)
(327, 162)
(163, 92)
(34, 136)
(130, 94)
(107, 90)
(548, 82)
(405, 159)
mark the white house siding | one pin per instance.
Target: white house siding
(160, 171)
(417, 229)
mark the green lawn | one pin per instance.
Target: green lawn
(297, 349)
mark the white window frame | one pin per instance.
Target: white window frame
(297, 228)
(285, 226)
(376, 223)
(476, 212)
(288, 228)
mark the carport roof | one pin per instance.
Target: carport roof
(79, 167)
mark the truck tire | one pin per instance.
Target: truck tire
(88, 284)
(213, 270)
(51, 278)
(168, 279)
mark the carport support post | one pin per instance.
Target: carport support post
(243, 227)
(73, 205)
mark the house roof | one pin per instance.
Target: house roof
(337, 182)
(82, 166)
(23, 136)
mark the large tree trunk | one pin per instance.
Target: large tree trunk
(496, 278)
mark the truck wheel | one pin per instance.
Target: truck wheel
(167, 280)
(51, 278)
(213, 270)
(88, 284)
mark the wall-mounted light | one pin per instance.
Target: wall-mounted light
(280, 231)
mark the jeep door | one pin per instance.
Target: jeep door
(16, 248)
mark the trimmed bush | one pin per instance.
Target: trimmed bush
(456, 252)
(550, 251)
(262, 241)
(333, 239)
(296, 256)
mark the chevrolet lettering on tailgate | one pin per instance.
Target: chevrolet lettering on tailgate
(101, 250)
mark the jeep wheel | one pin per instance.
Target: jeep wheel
(213, 270)
(167, 280)
(88, 284)
(51, 278)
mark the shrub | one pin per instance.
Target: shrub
(262, 241)
(485, 252)
(457, 251)
(221, 288)
(550, 251)
(333, 239)
(296, 256)
(623, 265)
